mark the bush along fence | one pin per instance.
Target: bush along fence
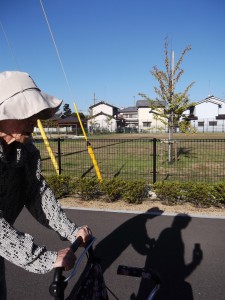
(151, 160)
(136, 191)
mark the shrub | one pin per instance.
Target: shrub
(219, 193)
(59, 184)
(135, 191)
(169, 192)
(112, 188)
(199, 194)
(88, 188)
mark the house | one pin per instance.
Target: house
(102, 122)
(103, 117)
(207, 115)
(103, 107)
(128, 117)
(146, 119)
(140, 117)
(71, 124)
(59, 123)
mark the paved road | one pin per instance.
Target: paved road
(123, 238)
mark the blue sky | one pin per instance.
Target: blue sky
(109, 47)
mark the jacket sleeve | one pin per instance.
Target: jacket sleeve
(42, 203)
(46, 209)
(18, 248)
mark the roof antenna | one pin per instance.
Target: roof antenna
(94, 99)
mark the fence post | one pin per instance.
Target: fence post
(59, 156)
(154, 160)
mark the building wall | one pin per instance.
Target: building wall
(208, 110)
(102, 122)
(102, 108)
(208, 125)
(146, 120)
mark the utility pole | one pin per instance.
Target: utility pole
(170, 118)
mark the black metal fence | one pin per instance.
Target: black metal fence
(191, 159)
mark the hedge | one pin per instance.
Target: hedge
(136, 191)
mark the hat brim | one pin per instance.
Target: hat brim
(28, 103)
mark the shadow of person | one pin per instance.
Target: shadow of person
(132, 232)
(167, 258)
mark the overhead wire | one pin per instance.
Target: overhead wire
(89, 147)
(9, 46)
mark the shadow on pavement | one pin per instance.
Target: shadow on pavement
(164, 255)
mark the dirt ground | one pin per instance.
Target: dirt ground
(146, 205)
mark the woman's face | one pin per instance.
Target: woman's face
(17, 130)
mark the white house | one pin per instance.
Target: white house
(207, 115)
(103, 107)
(146, 120)
(102, 117)
(105, 117)
(141, 118)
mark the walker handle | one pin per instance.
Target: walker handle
(58, 285)
(76, 244)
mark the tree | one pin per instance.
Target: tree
(82, 116)
(66, 110)
(174, 104)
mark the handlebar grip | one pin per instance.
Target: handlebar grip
(58, 285)
(76, 244)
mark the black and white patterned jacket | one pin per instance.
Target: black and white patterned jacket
(21, 184)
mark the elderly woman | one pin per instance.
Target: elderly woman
(21, 182)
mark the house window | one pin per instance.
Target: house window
(201, 124)
(130, 115)
(147, 124)
(212, 123)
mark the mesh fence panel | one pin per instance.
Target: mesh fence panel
(198, 160)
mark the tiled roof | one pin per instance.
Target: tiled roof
(146, 103)
(211, 99)
(103, 102)
(128, 109)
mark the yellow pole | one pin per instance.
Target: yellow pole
(90, 150)
(48, 147)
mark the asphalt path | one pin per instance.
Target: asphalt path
(164, 243)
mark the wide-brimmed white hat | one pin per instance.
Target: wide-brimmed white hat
(20, 98)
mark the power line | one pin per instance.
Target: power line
(9, 46)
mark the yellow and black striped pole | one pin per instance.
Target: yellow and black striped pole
(89, 147)
(48, 147)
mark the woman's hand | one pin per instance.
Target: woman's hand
(85, 233)
(66, 258)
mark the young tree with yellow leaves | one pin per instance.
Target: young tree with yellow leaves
(175, 103)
